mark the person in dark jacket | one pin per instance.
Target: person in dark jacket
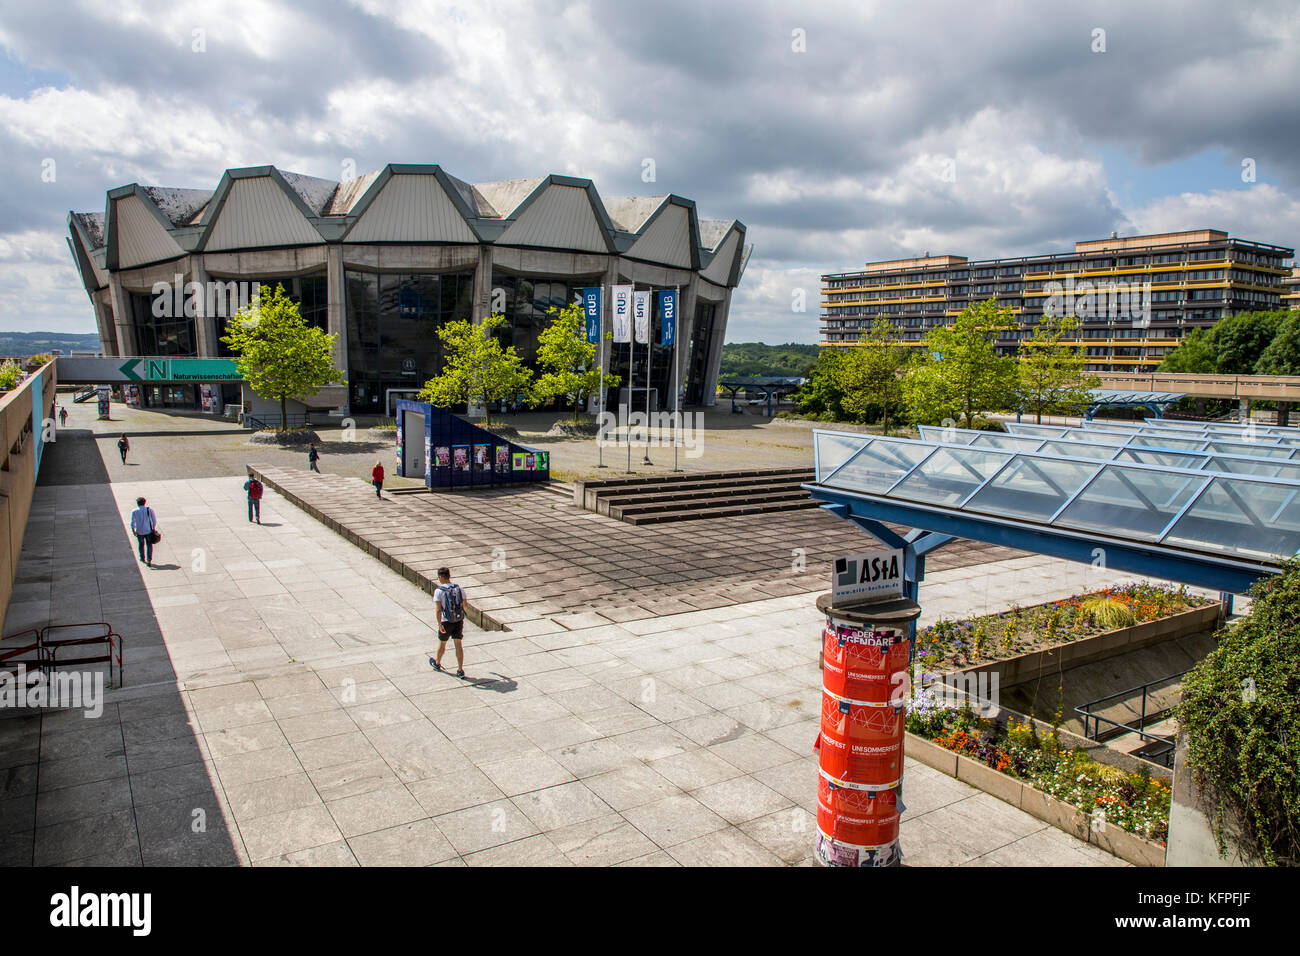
(377, 478)
(254, 489)
(313, 456)
(123, 446)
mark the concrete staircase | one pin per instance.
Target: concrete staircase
(658, 498)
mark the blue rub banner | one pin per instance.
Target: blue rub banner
(667, 316)
(591, 308)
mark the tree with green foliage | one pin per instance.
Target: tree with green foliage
(1053, 374)
(568, 360)
(479, 369)
(820, 396)
(1193, 356)
(1232, 346)
(1282, 356)
(961, 372)
(277, 353)
(869, 374)
(1240, 714)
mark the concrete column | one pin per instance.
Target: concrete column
(336, 313)
(482, 302)
(205, 325)
(718, 333)
(122, 322)
(686, 330)
(1283, 413)
(104, 324)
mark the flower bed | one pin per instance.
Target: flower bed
(948, 645)
(1132, 801)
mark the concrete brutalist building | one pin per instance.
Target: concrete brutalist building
(383, 259)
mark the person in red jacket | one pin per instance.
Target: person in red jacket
(377, 478)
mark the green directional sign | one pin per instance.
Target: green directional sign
(180, 370)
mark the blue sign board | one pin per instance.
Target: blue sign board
(591, 309)
(668, 316)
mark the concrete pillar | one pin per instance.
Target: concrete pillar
(1284, 413)
(205, 324)
(336, 313)
(104, 324)
(482, 303)
(122, 320)
(686, 331)
(718, 334)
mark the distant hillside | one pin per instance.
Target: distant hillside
(750, 359)
(34, 343)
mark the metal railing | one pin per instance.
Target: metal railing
(1162, 748)
(99, 645)
(263, 422)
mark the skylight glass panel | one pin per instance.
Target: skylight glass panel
(949, 475)
(1249, 518)
(1033, 488)
(834, 450)
(879, 465)
(1130, 501)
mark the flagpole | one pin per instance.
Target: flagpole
(677, 373)
(649, 345)
(600, 403)
(631, 349)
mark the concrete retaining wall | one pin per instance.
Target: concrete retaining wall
(23, 411)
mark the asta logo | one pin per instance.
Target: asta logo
(178, 298)
(636, 427)
(1117, 301)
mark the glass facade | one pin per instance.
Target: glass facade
(160, 335)
(697, 360)
(525, 301)
(310, 292)
(392, 328)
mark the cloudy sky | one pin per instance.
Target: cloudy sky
(837, 132)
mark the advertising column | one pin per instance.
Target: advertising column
(866, 645)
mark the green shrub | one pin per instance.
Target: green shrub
(10, 374)
(1109, 613)
(1240, 712)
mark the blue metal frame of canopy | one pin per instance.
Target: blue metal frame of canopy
(1155, 402)
(1197, 525)
(768, 386)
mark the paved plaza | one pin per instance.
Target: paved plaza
(279, 708)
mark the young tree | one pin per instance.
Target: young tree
(479, 369)
(868, 375)
(1053, 375)
(962, 372)
(568, 360)
(278, 354)
(820, 396)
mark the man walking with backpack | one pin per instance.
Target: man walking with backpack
(144, 525)
(451, 619)
(313, 456)
(254, 489)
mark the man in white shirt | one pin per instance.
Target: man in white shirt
(143, 524)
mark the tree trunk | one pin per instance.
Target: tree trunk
(284, 421)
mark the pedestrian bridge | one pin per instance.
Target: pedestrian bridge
(1277, 388)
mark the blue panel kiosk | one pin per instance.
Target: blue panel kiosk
(453, 453)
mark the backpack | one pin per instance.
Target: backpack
(453, 602)
(255, 489)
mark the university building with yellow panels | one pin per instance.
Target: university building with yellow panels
(1136, 296)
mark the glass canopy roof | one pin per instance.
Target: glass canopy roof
(1205, 501)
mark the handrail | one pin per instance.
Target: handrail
(1092, 722)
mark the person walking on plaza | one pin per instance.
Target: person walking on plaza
(123, 445)
(313, 456)
(144, 525)
(450, 600)
(254, 489)
(63, 414)
(377, 478)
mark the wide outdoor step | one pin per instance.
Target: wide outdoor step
(635, 480)
(607, 505)
(723, 512)
(670, 491)
(685, 505)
